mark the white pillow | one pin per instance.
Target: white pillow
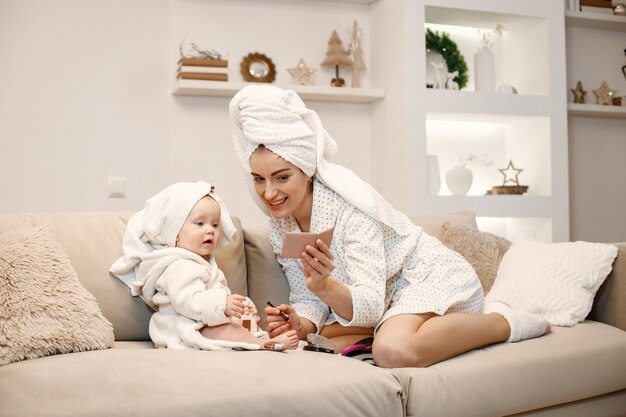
(557, 280)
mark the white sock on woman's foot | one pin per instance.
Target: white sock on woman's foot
(523, 325)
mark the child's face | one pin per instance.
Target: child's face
(200, 232)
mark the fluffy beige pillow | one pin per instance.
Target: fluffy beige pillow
(482, 250)
(44, 309)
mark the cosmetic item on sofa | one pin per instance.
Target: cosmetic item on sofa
(248, 321)
(317, 343)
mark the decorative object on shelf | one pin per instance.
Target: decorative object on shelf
(484, 60)
(439, 80)
(597, 3)
(619, 9)
(201, 64)
(510, 174)
(447, 48)
(197, 52)
(433, 179)
(202, 69)
(506, 89)
(336, 56)
(579, 92)
(573, 5)
(617, 101)
(604, 94)
(459, 180)
(302, 74)
(257, 68)
(356, 52)
(450, 83)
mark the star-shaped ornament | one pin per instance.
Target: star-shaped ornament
(509, 172)
(604, 94)
(579, 93)
(302, 74)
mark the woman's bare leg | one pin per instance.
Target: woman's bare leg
(420, 340)
(345, 336)
(236, 333)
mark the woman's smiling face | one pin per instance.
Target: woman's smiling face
(282, 186)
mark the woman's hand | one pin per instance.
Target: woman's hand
(277, 325)
(234, 305)
(317, 264)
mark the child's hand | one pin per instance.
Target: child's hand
(234, 305)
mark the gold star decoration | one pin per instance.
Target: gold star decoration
(509, 172)
(604, 94)
(302, 74)
(579, 93)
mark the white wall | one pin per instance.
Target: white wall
(85, 94)
(597, 146)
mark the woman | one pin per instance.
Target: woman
(381, 273)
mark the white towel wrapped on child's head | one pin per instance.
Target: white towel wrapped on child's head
(279, 120)
(158, 224)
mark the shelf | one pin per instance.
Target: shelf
(306, 92)
(595, 110)
(595, 21)
(474, 102)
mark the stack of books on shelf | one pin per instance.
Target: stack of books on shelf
(202, 69)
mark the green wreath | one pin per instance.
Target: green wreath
(449, 51)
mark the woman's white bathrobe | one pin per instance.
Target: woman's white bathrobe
(187, 293)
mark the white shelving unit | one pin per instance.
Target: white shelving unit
(590, 20)
(529, 128)
(594, 110)
(306, 92)
(595, 21)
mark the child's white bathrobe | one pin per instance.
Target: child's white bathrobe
(186, 291)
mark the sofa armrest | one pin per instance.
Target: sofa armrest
(609, 306)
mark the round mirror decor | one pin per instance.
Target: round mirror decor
(258, 68)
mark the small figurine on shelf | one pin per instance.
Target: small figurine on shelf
(510, 174)
(336, 56)
(450, 83)
(302, 74)
(604, 94)
(440, 78)
(579, 93)
(356, 52)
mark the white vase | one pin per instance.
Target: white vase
(485, 71)
(459, 180)
(433, 179)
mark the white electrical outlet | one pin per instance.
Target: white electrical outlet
(117, 187)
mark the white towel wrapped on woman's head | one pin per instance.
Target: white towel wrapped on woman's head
(279, 120)
(158, 224)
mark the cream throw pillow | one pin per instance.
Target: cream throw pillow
(482, 250)
(557, 280)
(44, 310)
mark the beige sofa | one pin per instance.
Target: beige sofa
(577, 371)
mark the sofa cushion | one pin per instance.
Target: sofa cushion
(568, 364)
(167, 382)
(266, 279)
(609, 306)
(93, 241)
(482, 250)
(556, 280)
(44, 309)
(432, 223)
